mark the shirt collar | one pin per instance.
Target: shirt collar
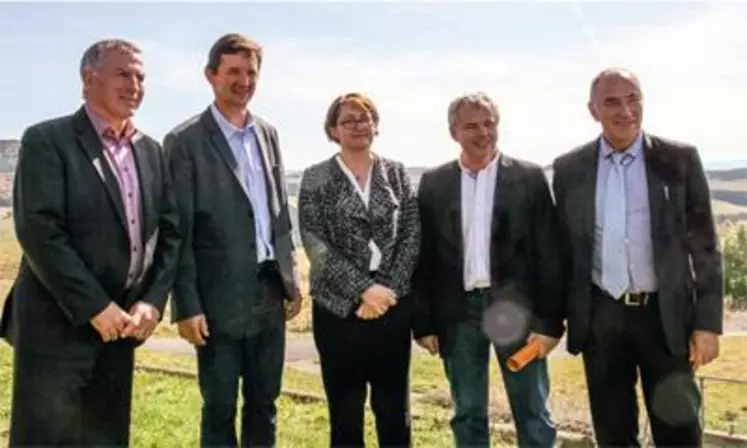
(634, 149)
(487, 167)
(226, 126)
(105, 132)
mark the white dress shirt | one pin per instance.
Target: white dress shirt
(478, 191)
(365, 195)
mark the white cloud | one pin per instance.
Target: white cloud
(693, 70)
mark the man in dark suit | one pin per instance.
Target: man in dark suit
(644, 269)
(237, 265)
(488, 272)
(96, 219)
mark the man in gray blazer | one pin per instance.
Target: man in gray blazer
(96, 218)
(644, 269)
(237, 266)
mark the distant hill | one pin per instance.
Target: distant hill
(728, 185)
(8, 158)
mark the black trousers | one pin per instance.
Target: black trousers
(355, 353)
(73, 402)
(623, 341)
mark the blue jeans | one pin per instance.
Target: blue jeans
(467, 371)
(257, 361)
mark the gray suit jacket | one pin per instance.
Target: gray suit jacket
(217, 274)
(70, 222)
(687, 257)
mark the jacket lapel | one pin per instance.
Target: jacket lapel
(346, 192)
(582, 192)
(91, 145)
(502, 202)
(273, 201)
(656, 172)
(453, 209)
(219, 142)
(144, 159)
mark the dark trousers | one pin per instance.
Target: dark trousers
(258, 361)
(354, 353)
(623, 341)
(73, 402)
(467, 371)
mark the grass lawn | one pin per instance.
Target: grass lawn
(166, 408)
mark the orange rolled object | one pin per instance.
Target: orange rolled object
(527, 354)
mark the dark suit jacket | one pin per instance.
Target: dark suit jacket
(336, 228)
(687, 258)
(523, 252)
(70, 223)
(217, 274)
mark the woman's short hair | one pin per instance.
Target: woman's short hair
(333, 113)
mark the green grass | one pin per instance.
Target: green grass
(166, 409)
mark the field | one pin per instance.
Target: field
(166, 407)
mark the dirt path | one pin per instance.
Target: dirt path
(300, 352)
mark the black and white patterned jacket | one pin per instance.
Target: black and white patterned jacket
(336, 228)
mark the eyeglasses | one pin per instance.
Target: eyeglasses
(352, 123)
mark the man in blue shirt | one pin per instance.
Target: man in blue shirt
(237, 281)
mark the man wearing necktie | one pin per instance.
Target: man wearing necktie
(644, 269)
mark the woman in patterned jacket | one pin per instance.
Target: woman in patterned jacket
(358, 218)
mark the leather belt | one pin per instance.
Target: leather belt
(630, 299)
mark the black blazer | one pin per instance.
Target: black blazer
(218, 269)
(69, 219)
(682, 229)
(525, 265)
(336, 229)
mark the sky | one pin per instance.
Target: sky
(535, 59)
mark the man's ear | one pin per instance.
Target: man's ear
(592, 110)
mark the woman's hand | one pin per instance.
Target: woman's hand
(378, 299)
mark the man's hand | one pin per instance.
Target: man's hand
(144, 320)
(293, 307)
(703, 348)
(110, 322)
(546, 343)
(380, 298)
(429, 343)
(194, 329)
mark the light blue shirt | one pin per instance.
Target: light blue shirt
(246, 151)
(638, 227)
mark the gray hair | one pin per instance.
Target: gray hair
(612, 72)
(94, 55)
(479, 99)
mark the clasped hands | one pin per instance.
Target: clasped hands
(114, 323)
(376, 301)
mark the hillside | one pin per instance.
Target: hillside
(728, 186)
(8, 157)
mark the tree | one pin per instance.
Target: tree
(735, 266)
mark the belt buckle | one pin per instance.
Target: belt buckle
(637, 300)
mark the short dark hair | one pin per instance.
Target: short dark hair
(333, 113)
(232, 43)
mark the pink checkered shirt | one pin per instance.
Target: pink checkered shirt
(120, 157)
